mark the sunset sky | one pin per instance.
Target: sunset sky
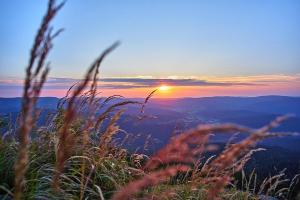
(197, 48)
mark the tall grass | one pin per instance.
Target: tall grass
(77, 156)
(36, 73)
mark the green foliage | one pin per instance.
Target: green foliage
(3, 122)
(67, 161)
(102, 175)
(8, 152)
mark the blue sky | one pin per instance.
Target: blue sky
(159, 38)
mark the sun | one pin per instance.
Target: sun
(164, 88)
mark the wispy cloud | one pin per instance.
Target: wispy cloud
(248, 83)
(125, 83)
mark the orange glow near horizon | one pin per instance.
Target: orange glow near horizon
(260, 86)
(185, 91)
(194, 91)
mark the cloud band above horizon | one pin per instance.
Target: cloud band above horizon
(132, 86)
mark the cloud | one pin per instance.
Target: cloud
(154, 82)
(195, 86)
(131, 83)
(149, 82)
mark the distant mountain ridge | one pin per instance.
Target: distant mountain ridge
(168, 115)
(14, 104)
(270, 104)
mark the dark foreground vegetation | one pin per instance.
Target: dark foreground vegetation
(77, 156)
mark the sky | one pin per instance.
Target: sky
(196, 47)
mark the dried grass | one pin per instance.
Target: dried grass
(185, 149)
(182, 159)
(36, 73)
(65, 138)
(148, 180)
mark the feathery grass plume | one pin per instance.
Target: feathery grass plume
(36, 74)
(61, 102)
(93, 105)
(91, 111)
(96, 169)
(147, 99)
(142, 111)
(147, 142)
(148, 180)
(65, 138)
(270, 184)
(235, 151)
(292, 186)
(107, 136)
(89, 105)
(219, 170)
(182, 150)
(104, 115)
(188, 146)
(231, 139)
(249, 184)
(240, 164)
(137, 160)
